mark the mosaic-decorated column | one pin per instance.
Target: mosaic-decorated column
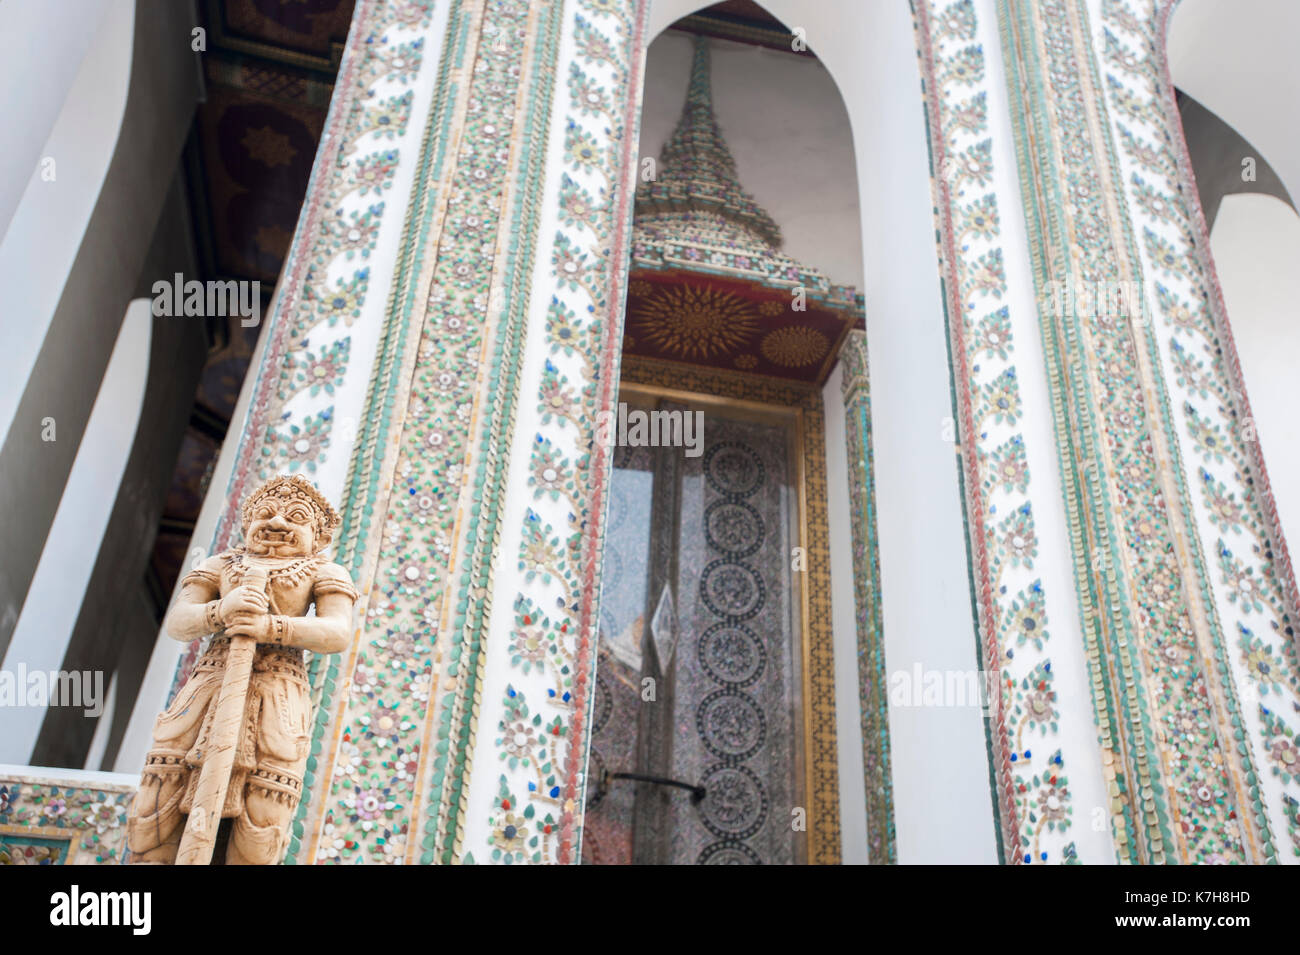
(447, 329)
(872, 676)
(339, 309)
(1186, 606)
(535, 693)
(1252, 578)
(1046, 773)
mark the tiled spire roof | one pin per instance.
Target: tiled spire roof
(697, 172)
(695, 215)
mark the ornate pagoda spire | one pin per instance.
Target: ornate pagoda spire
(697, 173)
(695, 217)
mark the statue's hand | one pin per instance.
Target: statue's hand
(241, 602)
(255, 625)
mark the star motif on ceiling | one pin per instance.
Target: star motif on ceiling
(794, 346)
(693, 321)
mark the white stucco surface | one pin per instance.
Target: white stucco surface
(1238, 60)
(53, 602)
(1256, 245)
(49, 219)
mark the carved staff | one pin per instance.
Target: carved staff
(200, 836)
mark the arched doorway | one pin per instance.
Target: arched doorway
(713, 737)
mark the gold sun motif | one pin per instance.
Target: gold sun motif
(693, 321)
(794, 346)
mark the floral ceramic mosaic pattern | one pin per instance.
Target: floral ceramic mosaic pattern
(1249, 573)
(326, 285)
(398, 717)
(1184, 787)
(48, 822)
(536, 815)
(1033, 794)
(314, 318)
(381, 758)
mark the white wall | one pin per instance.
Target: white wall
(53, 601)
(787, 128)
(42, 45)
(45, 233)
(1238, 60)
(1256, 248)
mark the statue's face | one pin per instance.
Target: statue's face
(281, 529)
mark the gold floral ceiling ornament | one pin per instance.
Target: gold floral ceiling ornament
(268, 147)
(794, 346)
(694, 321)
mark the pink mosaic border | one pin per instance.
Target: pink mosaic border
(975, 506)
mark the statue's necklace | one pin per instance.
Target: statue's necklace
(295, 570)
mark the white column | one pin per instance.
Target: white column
(42, 46)
(943, 809)
(43, 220)
(53, 601)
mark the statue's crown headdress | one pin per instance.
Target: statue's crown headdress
(285, 488)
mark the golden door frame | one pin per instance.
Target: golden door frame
(800, 406)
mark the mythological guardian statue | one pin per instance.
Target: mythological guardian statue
(234, 742)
